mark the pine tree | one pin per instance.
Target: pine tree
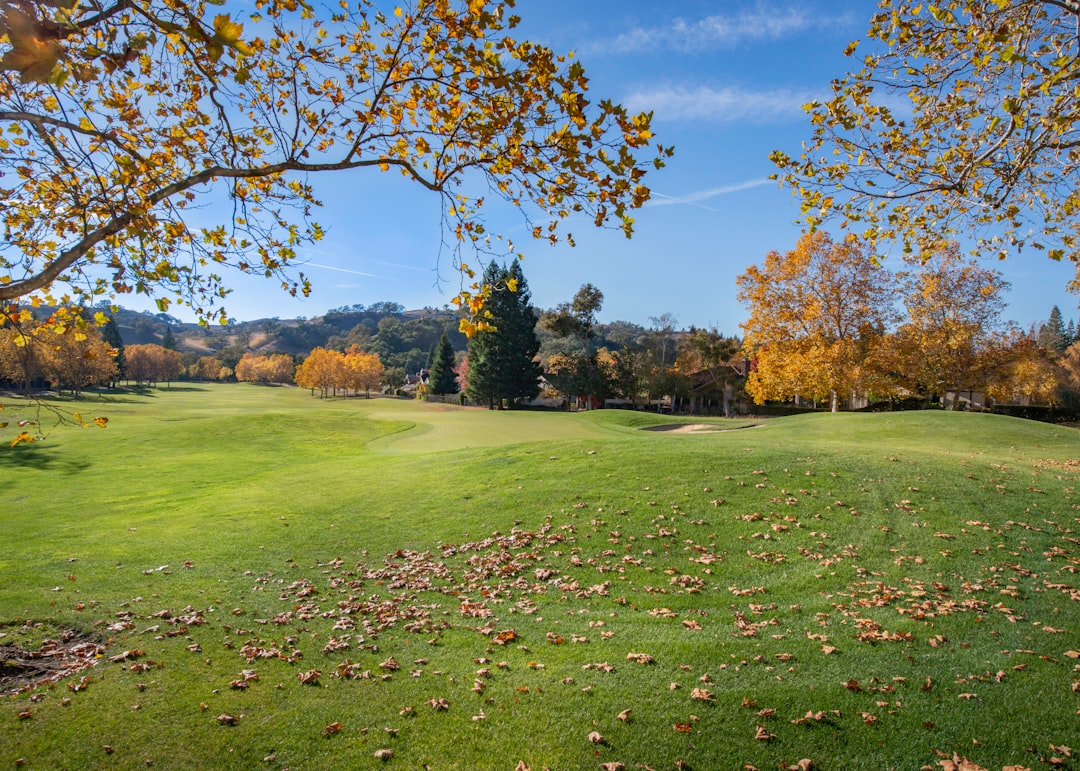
(168, 340)
(1070, 333)
(502, 363)
(443, 379)
(110, 333)
(1052, 333)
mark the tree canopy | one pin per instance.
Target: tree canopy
(816, 315)
(962, 120)
(120, 117)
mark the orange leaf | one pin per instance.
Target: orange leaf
(23, 437)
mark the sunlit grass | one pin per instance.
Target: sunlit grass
(908, 580)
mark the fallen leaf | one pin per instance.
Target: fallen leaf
(227, 719)
(761, 735)
(595, 737)
(624, 715)
(384, 754)
(311, 677)
(332, 729)
(957, 763)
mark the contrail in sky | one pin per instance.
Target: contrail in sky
(703, 195)
(343, 270)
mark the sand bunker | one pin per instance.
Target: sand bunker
(695, 428)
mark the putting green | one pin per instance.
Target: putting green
(442, 427)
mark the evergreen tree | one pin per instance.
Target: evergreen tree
(110, 333)
(502, 363)
(1070, 333)
(443, 379)
(168, 340)
(1052, 333)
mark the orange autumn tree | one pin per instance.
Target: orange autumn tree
(322, 371)
(151, 363)
(119, 117)
(253, 368)
(817, 314)
(363, 371)
(951, 340)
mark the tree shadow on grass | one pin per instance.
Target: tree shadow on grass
(38, 456)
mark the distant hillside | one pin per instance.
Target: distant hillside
(402, 338)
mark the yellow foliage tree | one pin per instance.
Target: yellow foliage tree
(116, 117)
(961, 119)
(363, 371)
(322, 371)
(950, 341)
(79, 360)
(1027, 375)
(151, 363)
(817, 315)
(208, 368)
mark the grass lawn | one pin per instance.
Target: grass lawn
(275, 581)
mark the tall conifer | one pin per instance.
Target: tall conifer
(502, 363)
(443, 379)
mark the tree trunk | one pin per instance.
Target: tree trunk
(835, 406)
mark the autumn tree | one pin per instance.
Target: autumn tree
(150, 363)
(961, 120)
(1070, 361)
(247, 369)
(22, 358)
(118, 117)
(502, 362)
(79, 360)
(443, 379)
(362, 371)
(816, 315)
(1026, 374)
(210, 368)
(322, 371)
(950, 340)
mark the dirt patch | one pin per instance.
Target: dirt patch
(25, 665)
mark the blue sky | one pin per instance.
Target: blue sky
(726, 80)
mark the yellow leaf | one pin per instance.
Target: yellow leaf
(102, 422)
(23, 437)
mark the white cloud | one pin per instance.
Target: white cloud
(720, 105)
(761, 23)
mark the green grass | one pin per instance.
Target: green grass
(908, 579)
